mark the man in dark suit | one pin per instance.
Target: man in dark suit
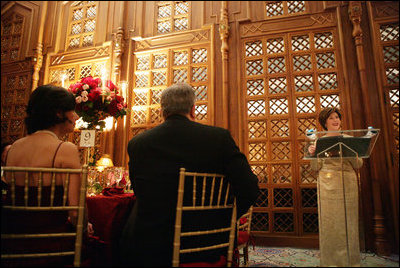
(155, 157)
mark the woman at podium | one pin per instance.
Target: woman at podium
(337, 199)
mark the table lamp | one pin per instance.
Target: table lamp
(104, 162)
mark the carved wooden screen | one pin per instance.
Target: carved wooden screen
(11, 37)
(82, 24)
(288, 79)
(283, 8)
(156, 69)
(172, 16)
(389, 57)
(15, 91)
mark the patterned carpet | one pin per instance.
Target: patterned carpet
(291, 257)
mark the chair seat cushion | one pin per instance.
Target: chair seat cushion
(243, 237)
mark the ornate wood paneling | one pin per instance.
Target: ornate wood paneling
(161, 62)
(82, 24)
(15, 90)
(384, 20)
(287, 79)
(12, 27)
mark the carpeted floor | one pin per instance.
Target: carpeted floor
(291, 257)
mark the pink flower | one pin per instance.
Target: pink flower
(85, 99)
(84, 93)
(78, 99)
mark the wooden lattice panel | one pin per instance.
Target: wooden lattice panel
(309, 197)
(283, 222)
(310, 223)
(262, 199)
(288, 80)
(14, 99)
(74, 73)
(159, 69)
(11, 37)
(172, 16)
(260, 222)
(284, 8)
(82, 24)
(389, 46)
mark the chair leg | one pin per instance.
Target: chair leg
(246, 255)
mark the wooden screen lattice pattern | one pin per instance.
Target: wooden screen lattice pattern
(82, 24)
(75, 72)
(156, 70)
(14, 99)
(389, 46)
(11, 37)
(172, 16)
(282, 8)
(288, 79)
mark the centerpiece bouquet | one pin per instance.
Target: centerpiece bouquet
(95, 101)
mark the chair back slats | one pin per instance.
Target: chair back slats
(190, 250)
(81, 212)
(207, 181)
(66, 187)
(219, 191)
(26, 188)
(194, 191)
(40, 185)
(12, 188)
(31, 178)
(20, 236)
(52, 188)
(37, 255)
(212, 192)
(221, 230)
(203, 192)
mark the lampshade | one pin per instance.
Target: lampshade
(105, 161)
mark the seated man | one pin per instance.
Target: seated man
(155, 157)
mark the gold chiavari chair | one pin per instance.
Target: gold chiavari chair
(51, 205)
(218, 197)
(243, 235)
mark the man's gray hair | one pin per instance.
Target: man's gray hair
(177, 99)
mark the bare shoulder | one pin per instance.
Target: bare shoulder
(69, 155)
(69, 147)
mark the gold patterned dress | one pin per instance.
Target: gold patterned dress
(338, 243)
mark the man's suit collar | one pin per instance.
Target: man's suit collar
(177, 117)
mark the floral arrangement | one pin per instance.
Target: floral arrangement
(95, 101)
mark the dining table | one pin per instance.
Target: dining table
(108, 213)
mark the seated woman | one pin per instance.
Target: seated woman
(50, 116)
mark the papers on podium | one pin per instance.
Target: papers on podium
(356, 144)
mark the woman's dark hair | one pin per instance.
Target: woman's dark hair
(44, 104)
(325, 113)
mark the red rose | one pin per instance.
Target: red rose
(119, 98)
(110, 85)
(112, 109)
(94, 94)
(92, 83)
(74, 88)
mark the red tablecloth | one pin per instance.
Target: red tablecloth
(108, 215)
